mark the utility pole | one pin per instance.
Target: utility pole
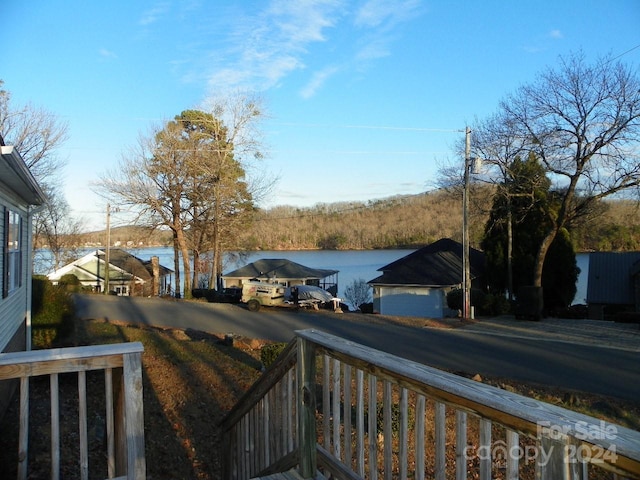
(107, 260)
(466, 270)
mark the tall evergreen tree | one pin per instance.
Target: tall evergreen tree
(520, 215)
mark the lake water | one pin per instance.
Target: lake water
(351, 264)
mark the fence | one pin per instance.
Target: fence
(348, 411)
(122, 403)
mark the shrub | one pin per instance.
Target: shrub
(358, 293)
(269, 353)
(70, 282)
(366, 307)
(496, 304)
(484, 303)
(52, 313)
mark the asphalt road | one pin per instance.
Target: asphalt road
(578, 366)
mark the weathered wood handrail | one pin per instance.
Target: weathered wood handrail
(123, 400)
(377, 427)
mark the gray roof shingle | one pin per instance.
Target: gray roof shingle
(279, 268)
(610, 279)
(437, 264)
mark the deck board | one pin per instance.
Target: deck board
(288, 475)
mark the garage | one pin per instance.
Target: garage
(412, 301)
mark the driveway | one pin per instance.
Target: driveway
(596, 357)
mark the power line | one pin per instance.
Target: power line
(624, 53)
(367, 127)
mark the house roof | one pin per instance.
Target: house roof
(267, 268)
(610, 279)
(437, 264)
(124, 266)
(16, 176)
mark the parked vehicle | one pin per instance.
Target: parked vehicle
(258, 294)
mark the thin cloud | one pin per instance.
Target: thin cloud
(379, 20)
(107, 53)
(543, 42)
(272, 44)
(317, 81)
(152, 15)
(263, 48)
(386, 13)
(555, 34)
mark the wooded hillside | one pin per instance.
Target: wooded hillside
(396, 222)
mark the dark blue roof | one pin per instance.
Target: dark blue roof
(437, 264)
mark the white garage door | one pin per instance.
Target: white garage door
(412, 302)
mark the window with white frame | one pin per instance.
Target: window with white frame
(12, 252)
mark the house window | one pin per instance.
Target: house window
(12, 252)
(122, 291)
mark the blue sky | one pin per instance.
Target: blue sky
(365, 98)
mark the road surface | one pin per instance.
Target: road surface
(588, 367)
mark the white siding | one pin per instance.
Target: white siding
(13, 307)
(412, 301)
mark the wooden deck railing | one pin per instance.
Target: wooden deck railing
(123, 403)
(347, 411)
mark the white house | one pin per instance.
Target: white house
(127, 275)
(20, 196)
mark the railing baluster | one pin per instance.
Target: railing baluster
(485, 449)
(360, 421)
(326, 402)
(441, 441)
(420, 431)
(461, 445)
(348, 455)
(108, 393)
(513, 440)
(252, 435)
(373, 428)
(82, 425)
(335, 409)
(55, 426)
(246, 453)
(265, 430)
(274, 424)
(23, 436)
(404, 437)
(291, 424)
(387, 430)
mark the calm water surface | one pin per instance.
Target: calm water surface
(351, 264)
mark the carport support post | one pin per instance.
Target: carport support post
(307, 407)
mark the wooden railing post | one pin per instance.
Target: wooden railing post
(132, 376)
(307, 408)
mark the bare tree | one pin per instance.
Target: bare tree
(583, 122)
(190, 176)
(151, 180)
(502, 152)
(37, 134)
(358, 292)
(57, 231)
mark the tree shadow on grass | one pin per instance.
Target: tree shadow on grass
(190, 380)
